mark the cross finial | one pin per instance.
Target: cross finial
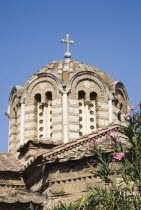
(67, 54)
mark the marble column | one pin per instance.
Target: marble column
(45, 131)
(65, 118)
(87, 121)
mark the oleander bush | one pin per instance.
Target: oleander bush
(119, 168)
(122, 161)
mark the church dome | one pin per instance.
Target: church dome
(72, 67)
(54, 115)
(63, 101)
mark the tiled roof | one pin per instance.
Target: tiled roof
(57, 68)
(9, 162)
(61, 149)
(84, 139)
(37, 142)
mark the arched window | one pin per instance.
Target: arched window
(81, 100)
(44, 116)
(40, 113)
(119, 116)
(119, 107)
(92, 111)
(87, 112)
(120, 111)
(116, 102)
(48, 115)
(38, 98)
(49, 96)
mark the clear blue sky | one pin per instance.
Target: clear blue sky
(107, 34)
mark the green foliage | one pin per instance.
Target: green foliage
(62, 206)
(132, 162)
(32, 207)
(123, 161)
(103, 199)
(118, 160)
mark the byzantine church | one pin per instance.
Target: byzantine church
(52, 118)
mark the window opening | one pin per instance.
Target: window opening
(49, 126)
(81, 100)
(92, 111)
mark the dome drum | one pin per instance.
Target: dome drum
(51, 109)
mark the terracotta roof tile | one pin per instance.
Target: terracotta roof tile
(80, 140)
(9, 162)
(76, 143)
(56, 68)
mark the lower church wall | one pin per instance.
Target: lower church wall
(11, 182)
(18, 206)
(65, 182)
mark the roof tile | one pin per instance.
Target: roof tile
(9, 162)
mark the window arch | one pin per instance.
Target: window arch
(81, 95)
(39, 115)
(81, 100)
(92, 111)
(120, 111)
(44, 115)
(48, 114)
(116, 102)
(119, 107)
(38, 98)
(87, 112)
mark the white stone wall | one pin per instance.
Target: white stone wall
(12, 135)
(102, 114)
(57, 119)
(30, 129)
(73, 119)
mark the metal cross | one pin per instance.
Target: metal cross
(67, 41)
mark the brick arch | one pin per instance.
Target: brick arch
(48, 84)
(14, 100)
(97, 87)
(119, 86)
(14, 106)
(93, 88)
(122, 96)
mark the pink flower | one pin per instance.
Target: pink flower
(127, 115)
(89, 146)
(113, 133)
(118, 140)
(127, 124)
(132, 107)
(93, 141)
(136, 116)
(118, 157)
(110, 133)
(107, 135)
(84, 179)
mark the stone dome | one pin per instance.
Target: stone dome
(72, 67)
(64, 101)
